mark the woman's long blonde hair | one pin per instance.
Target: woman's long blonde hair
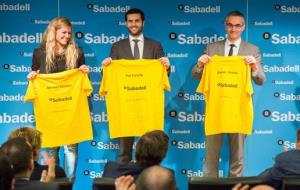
(48, 42)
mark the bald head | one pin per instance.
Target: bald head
(262, 187)
(156, 178)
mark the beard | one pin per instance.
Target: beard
(136, 33)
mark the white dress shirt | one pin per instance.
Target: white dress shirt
(140, 44)
(235, 48)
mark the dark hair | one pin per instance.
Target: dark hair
(19, 153)
(135, 11)
(6, 172)
(298, 135)
(156, 177)
(235, 13)
(151, 148)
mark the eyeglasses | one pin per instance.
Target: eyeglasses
(231, 26)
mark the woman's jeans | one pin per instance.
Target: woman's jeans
(70, 158)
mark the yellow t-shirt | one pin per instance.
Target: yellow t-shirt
(134, 91)
(60, 107)
(226, 85)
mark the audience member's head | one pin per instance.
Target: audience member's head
(19, 153)
(262, 187)
(240, 186)
(32, 136)
(151, 148)
(6, 172)
(156, 178)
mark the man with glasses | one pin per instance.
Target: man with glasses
(232, 46)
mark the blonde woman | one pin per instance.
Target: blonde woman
(58, 52)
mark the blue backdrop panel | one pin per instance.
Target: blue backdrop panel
(184, 28)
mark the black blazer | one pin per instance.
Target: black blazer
(39, 61)
(287, 164)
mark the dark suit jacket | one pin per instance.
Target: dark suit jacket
(287, 164)
(38, 169)
(35, 185)
(121, 49)
(114, 169)
(217, 48)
